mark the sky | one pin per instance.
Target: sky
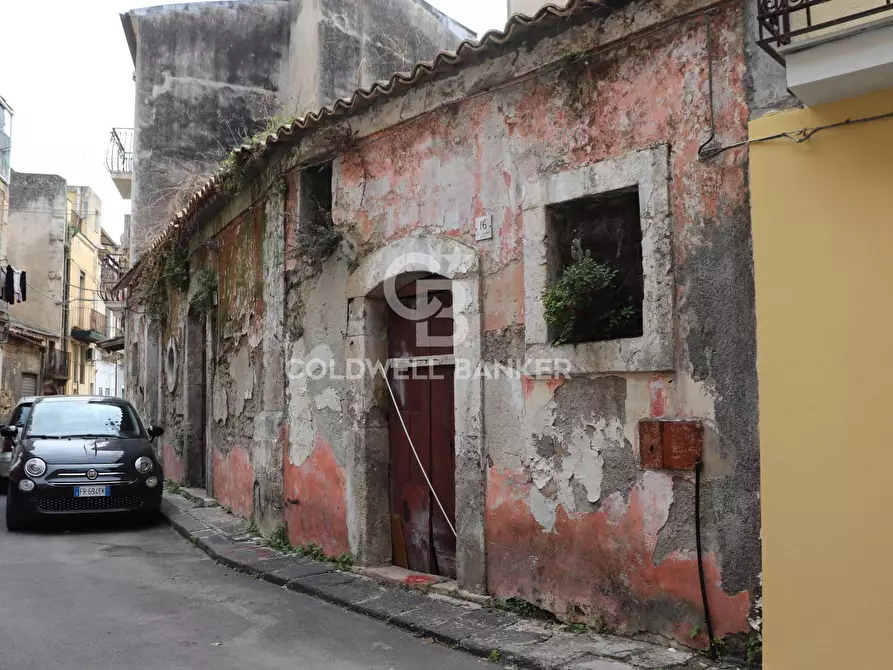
(68, 75)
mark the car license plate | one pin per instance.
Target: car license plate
(92, 491)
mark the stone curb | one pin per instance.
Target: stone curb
(457, 623)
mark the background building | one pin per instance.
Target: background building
(5, 156)
(86, 312)
(277, 59)
(37, 245)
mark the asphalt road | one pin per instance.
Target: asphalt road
(96, 595)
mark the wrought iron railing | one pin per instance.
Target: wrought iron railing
(119, 156)
(784, 22)
(57, 363)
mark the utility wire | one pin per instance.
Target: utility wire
(797, 136)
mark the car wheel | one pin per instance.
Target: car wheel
(14, 520)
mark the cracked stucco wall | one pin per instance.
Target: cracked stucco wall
(572, 522)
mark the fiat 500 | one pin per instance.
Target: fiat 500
(81, 455)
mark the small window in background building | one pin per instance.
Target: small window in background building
(597, 286)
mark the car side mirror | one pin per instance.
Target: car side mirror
(9, 431)
(155, 431)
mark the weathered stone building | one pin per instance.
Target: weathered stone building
(593, 128)
(37, 361)
(209, 74)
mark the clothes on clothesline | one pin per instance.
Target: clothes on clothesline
(13, 284)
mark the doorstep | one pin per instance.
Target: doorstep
(198, 496)
(434, 608)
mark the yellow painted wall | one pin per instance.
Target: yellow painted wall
(823, 250)
(84, 257)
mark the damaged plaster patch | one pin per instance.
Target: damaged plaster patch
(242, 373)
(678, 533)
(301, 434)
(219, 410)
(569, 437)
(328, 399)
(504, 400)
(543, 509)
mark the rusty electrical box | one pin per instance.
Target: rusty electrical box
(670, 444)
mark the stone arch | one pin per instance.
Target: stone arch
(368, 447)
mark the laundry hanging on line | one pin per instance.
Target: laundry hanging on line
(13, 284)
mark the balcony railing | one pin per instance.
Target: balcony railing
(784, 23)
(89, 326)
(119, 156)
(57, 362)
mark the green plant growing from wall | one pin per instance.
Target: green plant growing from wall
(318, 239)
(575, 292)
(165, 271)
(205, 285)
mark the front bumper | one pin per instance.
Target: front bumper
(58, 500)
(5, 460)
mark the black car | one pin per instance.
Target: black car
(81, 455)
(17, 418)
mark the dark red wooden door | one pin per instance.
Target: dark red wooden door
(421, 536)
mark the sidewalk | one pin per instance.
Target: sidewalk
(501, 637)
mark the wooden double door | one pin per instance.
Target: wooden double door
(422, 537)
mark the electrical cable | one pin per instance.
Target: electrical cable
(797, 136)
(698, 466)
(709, 85)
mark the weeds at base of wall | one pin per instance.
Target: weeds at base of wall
(523, 608)
(754, 651)
(495, 656)
(173, 487)
(279, 541)
(251, 528)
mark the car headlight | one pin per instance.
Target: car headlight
(35, 467)
(144, 465)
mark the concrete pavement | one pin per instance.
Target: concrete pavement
(493, 634)
(99, 596)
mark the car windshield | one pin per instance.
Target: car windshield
(95, 418)
(20, 415)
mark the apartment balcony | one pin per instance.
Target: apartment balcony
(831, 49)
(89, 326)
(119, 160)
(57, 364)
(109, 277)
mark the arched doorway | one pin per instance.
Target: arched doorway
(369, 487)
